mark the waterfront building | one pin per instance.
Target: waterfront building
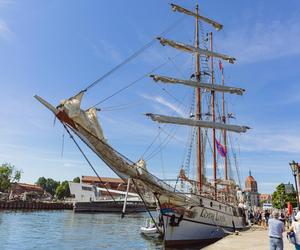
(266, 198)
(251, 192)
(25, 191)
(106, 182)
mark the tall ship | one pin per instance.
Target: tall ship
(204, 209)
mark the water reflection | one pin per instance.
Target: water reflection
(68, 230)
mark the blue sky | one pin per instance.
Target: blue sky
(56, 48)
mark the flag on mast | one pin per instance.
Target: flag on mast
(221, 149)
(221, 66)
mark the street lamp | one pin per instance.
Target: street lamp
(295, 170)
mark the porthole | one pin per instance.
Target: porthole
(211, 204)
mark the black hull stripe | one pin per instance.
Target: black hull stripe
(194, 243)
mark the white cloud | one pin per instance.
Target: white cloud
(105, 51)
(165, 103)
(6, 2)
(113, 130)
(293, 98)
(153, 55)
(275, 139)
(263, 41)
(5, 32)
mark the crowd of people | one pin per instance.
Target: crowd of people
(278, 222)
(261, 217)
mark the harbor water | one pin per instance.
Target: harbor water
(67, 230)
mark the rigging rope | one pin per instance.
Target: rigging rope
(170, 136)
(175, 98)
(162, 160)
(148, 148)
(136, 187)
(161, 146)
(85, 157)
(122, 106)
(120, 90)
(192, 136)
(235, 160)
(63, 144)
(145, 204)
(132, 56)
(132, 83)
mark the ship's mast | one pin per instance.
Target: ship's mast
(198, 85)
(199, 108)
(213, 114)
(224, 131)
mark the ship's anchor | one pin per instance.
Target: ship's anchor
(174, 221)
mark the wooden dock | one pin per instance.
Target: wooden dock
(255, 238)
(34, 205)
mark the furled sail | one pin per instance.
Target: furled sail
(197, 123)
(88, 118)
(192, 49)
(216, 25)
(214, 87)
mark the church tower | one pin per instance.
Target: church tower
(251, 191)
(250, 184)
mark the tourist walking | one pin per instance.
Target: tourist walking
(276, 228)
(282, 217)
(250, 217)
(296, 228)
(263, 220)
(258, 217)
(267, 216)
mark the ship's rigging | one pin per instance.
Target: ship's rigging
(199, 82)
(209, 204)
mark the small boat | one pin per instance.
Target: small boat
(150, 228)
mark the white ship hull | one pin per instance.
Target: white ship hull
(190, 232)
(199, 224)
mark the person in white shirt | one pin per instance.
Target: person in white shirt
(276, 228)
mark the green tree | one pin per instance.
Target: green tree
(280, 198)
(8, 174)
(76, 180)
(63, 191)
(49, 185)
(41, 182)
(261, 202)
